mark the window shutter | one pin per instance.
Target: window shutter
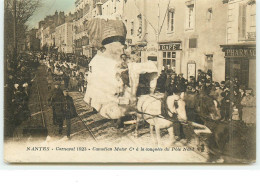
(242, 21)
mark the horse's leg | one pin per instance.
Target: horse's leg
(171, 134)
(152, 134)
(158, 134)
(138, 120)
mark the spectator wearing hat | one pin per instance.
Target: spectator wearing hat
(181, 83)
(236, 83)
(191, 103)
(161, 81)
(124, 70)
(249, 107)
(171, 85)
(217, 91)
(242, 89)
(80, 79)
(66, 77)
(226, 104)
(20, 101)
(222, 85)
(200, 75)
(192, 81)
(209, 75)
(208, 86)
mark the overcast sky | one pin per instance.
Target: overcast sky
(48, 7)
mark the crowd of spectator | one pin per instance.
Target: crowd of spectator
(232, 96)
(18, 81)
(67, 71)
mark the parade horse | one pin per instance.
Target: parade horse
(149, 110)
(227, 141)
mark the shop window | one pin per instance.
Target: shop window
(209, 61)
(193, 43)
(238, 68)
(169, 59)
(242, 22)
(251, 32)
(170, 26)
(190, 17)
(152, 58)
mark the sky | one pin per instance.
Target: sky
(48, 7)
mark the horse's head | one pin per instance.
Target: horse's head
(176, 105)
(209, 108)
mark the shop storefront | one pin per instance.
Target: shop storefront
(170, 56)
(240, 62)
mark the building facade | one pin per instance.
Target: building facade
(63, 38)
(80, 37)
(240, 45)
(32, 42)
(182, 35)
(46, 30)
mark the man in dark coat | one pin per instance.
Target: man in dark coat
(161, 82)
(226, 104)
(56, 100)
(208, 87)
(171, 85)
(66, 77)
(200, 75)
(181, 83)
(192, 82)
(69, 111)
(191, 103)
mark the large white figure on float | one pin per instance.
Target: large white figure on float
(104, 79)
(104, 82)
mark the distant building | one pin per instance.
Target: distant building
(240, 45)
(80, 36)
(47, 28)
(32, 42)
(63, 38)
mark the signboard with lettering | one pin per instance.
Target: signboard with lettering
(170, 46)
(152, 49)
(245, 52)
(191, 70)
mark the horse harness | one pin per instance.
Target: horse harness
(165, 114)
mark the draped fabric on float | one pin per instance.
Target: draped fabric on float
(99, 29)
(95, 30)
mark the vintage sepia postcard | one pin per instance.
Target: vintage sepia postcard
(130, 81)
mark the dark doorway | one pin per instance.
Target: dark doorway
(238, 67)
